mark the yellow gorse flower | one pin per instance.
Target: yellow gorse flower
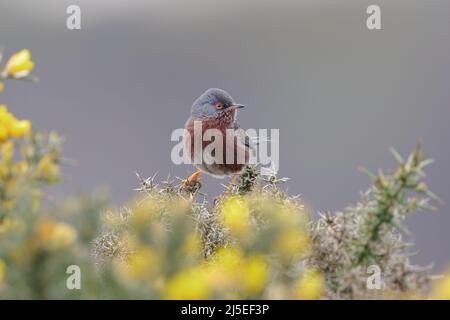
(10, 126)
(48, 169)
(235, 214)
(255, 274)
(63, 235)
(7, 152)
(54, 235)
(192, 245)
(20, 128)
(311, 285)
(188, 284)
(291, 242)
(231, 271)
(20, 64)
(143, 264)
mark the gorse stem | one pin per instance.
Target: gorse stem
(391, 206)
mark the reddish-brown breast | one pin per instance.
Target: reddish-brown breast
(231, 143)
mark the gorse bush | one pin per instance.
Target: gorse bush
(171, 242)
(370, 234)
(244, 246)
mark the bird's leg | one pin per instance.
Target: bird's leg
(233, 182)
(194, 177)
(192, 183)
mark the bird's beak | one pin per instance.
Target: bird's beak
(236, 106)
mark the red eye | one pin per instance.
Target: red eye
(219, 105)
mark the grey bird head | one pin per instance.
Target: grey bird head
(213, 103)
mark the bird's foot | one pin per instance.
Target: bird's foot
(191, 184)
(229, 189)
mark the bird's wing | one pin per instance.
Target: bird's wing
(248, 141)
(242, 136)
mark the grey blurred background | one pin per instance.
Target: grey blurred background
(340, 94)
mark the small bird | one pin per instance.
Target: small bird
(216, 109)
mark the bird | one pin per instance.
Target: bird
(216, 109)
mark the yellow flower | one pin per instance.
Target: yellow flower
(228, 258)
(143, 264)
(6, 117)
(311, 285)
(2, 87)
(144, 213)
(190, 284)
(3, 132)
(20, 128)
(11, 126)
(291, 242)
(63, 235)
(255, 274)
(20, 64)
(441, 290)
(7, 151)
(48, 169)
(235, 214)
(223, 270)
(192, 244)
(2, 271)
(55, 235)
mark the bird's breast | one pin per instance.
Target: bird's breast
(231, 146)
